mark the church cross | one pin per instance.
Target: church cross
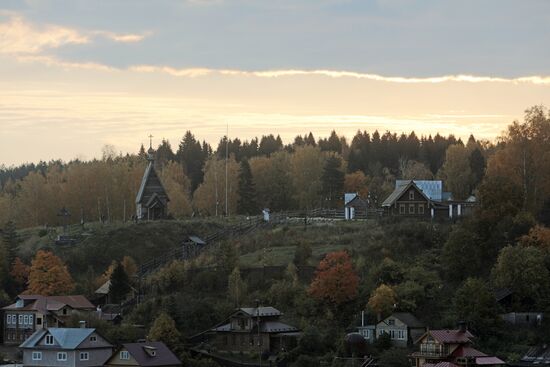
(150, 141)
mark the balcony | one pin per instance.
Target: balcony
(432, 351)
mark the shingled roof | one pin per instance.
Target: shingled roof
(141, 352)
(45, 304)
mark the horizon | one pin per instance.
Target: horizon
(77, 76)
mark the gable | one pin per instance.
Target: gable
(151, 184)
(89, 342)
(418, 194)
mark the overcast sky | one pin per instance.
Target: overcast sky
(76, 75)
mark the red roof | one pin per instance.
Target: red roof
(439, 364)
(465, 351)
(451, 336)
(489, 361)
(51, 303)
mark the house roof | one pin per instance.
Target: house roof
(408, 319)
(104, 289)
(466, 351)
(66, 338)
(481, 361)
(433, 189)
(261, 311)
(143, 195)
(439, 364)
(447, 336)
(45, 304)
(164, 356)
(538, 353)
(400, 190)
(265, 327)
(349, 196)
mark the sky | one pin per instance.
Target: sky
(76, 75)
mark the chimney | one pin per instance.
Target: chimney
(462, 326)
(82, 324)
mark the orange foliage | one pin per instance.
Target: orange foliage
(335, 279)
(19, 271)
(538, 236)
(49, 275)
(382, 300)
(357, 182)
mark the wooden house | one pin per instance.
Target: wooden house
(452, 348)
(60, 347)
(403, 328)
(354, 207)
(151, 200)
(424, 199)
(253, 330)
(30, 313)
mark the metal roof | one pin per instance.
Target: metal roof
(349, 197)
(163, 355)
(433, 189)
(66, 338)
(407, 318)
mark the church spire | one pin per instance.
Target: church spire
(150, 152)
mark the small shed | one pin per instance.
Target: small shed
(354, 206)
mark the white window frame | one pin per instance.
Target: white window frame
(401, 334)
(49, 340)
(411, 209)
(31, 320)
(421, 209)
(36, 356)
(124, 355)
(20, 320)
(411, 195)
(62, 356)
(26, 320)
(8, 319)
(84, 356)
(402, 206)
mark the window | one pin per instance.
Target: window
(365, 333)
(93, 338)
(8, 319)
(49, 339)
(84, 356)
(392, 334)
(411, 195)
(153, 353)
(31, 319)
(401, 208)
(20, 319)
(401, 334)
(421, 209)
(124, 355)
(411, 208)
(61, 356)
(391, 322)
(26, 319)
(64, 311)
(38, 321)
(36, 356)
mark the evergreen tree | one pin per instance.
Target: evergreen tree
(477, 166)
(10, 241)
(192, 157)
(247, 194)
(333, 180)
(120, 284)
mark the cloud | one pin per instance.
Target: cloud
(20, 37)
(198, 72)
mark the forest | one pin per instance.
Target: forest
(441, 272)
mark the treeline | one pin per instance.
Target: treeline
(304, 174)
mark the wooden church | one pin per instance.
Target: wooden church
(151, 200)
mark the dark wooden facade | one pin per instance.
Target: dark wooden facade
(151, 200)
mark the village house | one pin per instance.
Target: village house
(151, 200)
(424, 199)
(251, 330)
(537, 356)
(354, 207)
(63, 347)
(145, 354)
(449, 348)
(33, 312)
(403, 329)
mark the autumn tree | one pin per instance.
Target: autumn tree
(524, 157)
(382, 301)
(357, 182)
(335, 279)
(246, 191)
(210, 196)
(49, 276)
(272, 181)
(456, 171)
(523, 270)
(177, 187)
(414, 170)
(20, 274)
(538, 236)
(164, 330)
(236, 287)
(306, 168)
